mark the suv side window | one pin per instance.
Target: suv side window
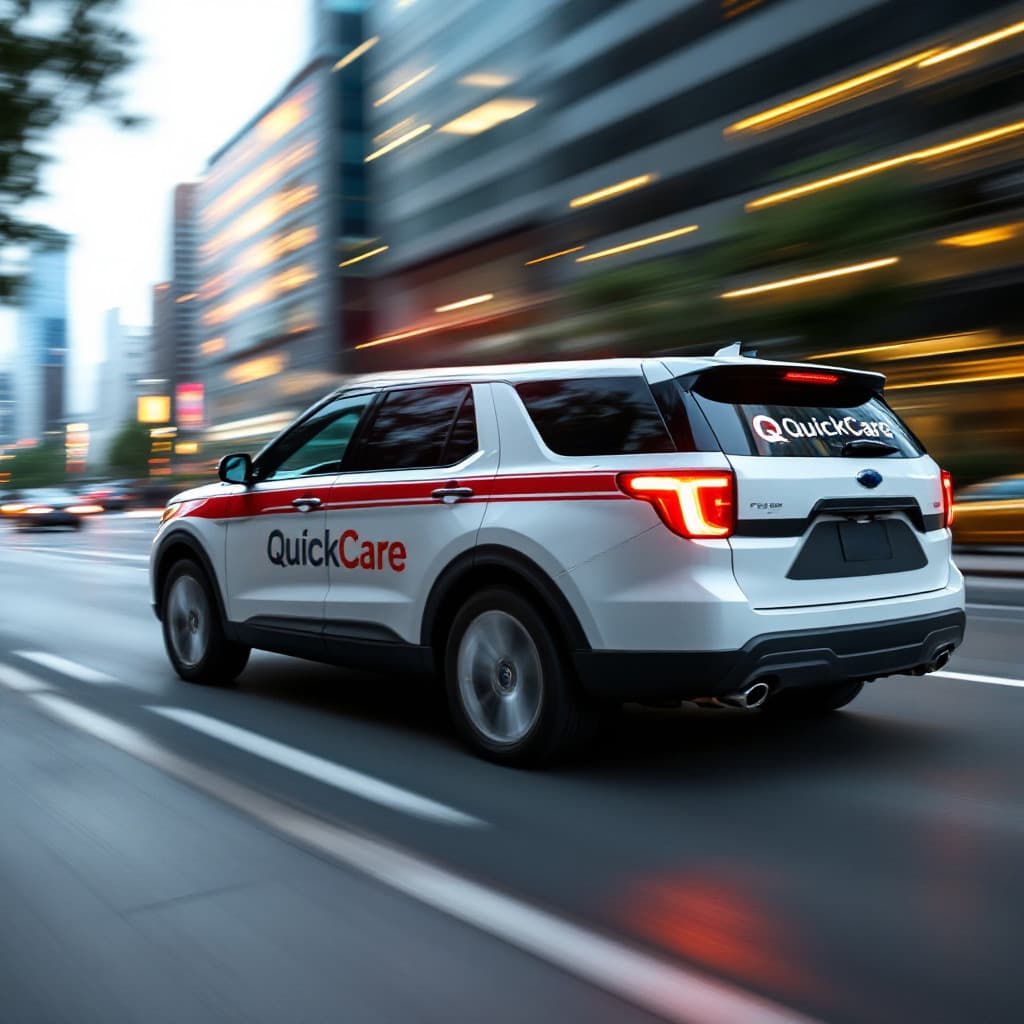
(317, 445)
(596, 416)
(419, 428)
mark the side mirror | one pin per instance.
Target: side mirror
(235, 469)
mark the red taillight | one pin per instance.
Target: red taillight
(696, 503)
(802, 377)
(947, 497)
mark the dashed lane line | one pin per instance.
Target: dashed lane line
(66, 667)
(970, 677)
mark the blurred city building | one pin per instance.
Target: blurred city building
(592, 176)
(162, 346)
(184, 291)
(126, 365)
(282, 204)
(41, 348)
(6, 408)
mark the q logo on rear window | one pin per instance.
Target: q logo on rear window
(768, 430)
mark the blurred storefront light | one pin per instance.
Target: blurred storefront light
(364, 256)
(212, 346)
(487, 116)
(629, 185)
(974, 44)
(967, 142)
(553, 256)
(251, 427)
(355, 54)
(399, 89)
(793, 282)
(415, 133)
(153, 408)
(640, 243)
(984, 236)
(476, 300)
(256, 369)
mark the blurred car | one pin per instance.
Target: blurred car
(991, 512)
(112, 495)
(48, 507)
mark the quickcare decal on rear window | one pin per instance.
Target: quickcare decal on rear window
(783, 430)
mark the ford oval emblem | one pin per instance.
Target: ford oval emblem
(869, 478)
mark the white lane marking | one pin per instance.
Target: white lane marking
(1019, 609)
(971, 678)
(677, 993)
(66, 667)
(15, 679)
(81, 553)
(348, 779)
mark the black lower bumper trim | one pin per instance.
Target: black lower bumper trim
(804, 658)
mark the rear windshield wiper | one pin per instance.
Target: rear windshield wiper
(865, 446)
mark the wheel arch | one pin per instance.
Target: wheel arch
(174, 548)
(489, 565)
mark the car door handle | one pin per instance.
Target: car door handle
(307, 504)
(452, 493)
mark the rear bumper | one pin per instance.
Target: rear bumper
(800, 658)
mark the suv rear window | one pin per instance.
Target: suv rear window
(596, 416)
(757, 413)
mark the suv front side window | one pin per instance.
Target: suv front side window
(317, 445)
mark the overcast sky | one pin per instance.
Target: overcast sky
(206, 66)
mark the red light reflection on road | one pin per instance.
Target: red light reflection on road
(719, 923)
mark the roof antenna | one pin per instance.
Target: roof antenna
(734, 351)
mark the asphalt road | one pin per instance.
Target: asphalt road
(315, 846)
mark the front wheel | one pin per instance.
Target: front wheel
(193, 631)
(510, 690)
(813, 700)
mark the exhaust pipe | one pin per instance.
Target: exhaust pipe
(941, 660)
(749, 699)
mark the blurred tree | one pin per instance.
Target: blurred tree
(42, 466)
(129, 452)
(56, 57)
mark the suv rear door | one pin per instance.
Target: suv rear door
(825, 514)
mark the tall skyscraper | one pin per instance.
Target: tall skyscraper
(185, 285)
(126, 363)
(41, 349)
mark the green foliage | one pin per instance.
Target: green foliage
(56, 56)
(129, 451)
(42, 466)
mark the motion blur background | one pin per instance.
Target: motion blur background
(460, 181)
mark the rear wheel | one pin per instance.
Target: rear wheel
(193, 631)
(813, 700)
(510, 690)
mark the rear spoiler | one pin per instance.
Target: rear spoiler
(749, 371)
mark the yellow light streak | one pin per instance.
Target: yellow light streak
(356, 53)
(910, 348)
(640, 243)
(364, 256)
(400, 336)
(187, 298)
(820, 98)
(983, 236)
(486, 80)
(967, 142)
(463, 303)
(394, 129)
(824, 275)
(212, 346)
(975, 44)
(487, 116)
(553, 256)
(612, 190)
(399, 89)
(400, 141)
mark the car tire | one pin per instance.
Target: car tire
(194, 636)
(511, 691)
(813, 700)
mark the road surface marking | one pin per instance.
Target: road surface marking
(674, 992)
(79, 553)
(971, 678)
(66, 667)
(14, 679)
(348, 779)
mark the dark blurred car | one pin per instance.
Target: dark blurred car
(48, 507)
(111, 495)
(991, 512)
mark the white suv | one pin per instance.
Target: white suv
(553, 538)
